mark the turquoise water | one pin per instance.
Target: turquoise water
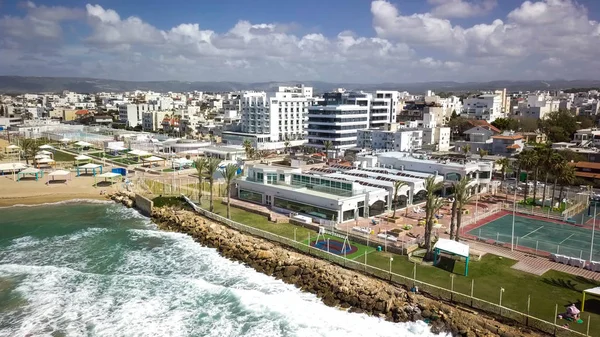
(104, 270)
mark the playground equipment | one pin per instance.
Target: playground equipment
(333, 245)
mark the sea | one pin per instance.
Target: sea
(99, 269)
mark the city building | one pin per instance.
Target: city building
(335, 120)
(451, 170)
(484, 106)
(152, 120)
(324, 199)
(131, 114)
(271, 120)
(384, 105)
(390, 138)
(507, 144)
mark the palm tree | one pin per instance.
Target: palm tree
(397, 186)
(229, 174)
(211, 168)
(434, 203)
(462, 197)
(327, 145)
(566, 177)
(459, 188)
(466, 149)
(503, 163)
(482, 153)
(247, 144)
(28, 149)
(558, 166)
(200, 165)
(545, 156)
(286, 144)
(527, 162)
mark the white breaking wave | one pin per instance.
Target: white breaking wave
(65, 202)
(168, 285)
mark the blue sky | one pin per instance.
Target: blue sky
(333, 40)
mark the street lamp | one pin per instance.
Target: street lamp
(391, 259)
(501, 292)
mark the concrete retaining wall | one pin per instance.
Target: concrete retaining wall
(143, 204)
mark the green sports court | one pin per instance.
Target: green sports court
(541, 235)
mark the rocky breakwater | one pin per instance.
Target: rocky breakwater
(124, 197)
(335, 285)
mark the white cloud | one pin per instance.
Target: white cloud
(461, 8)
(556, 38)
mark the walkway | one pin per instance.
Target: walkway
(533, 264)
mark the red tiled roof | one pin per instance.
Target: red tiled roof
(81, 112)
(513, 137)
(513, 146)
(587, 164)
(484, 124)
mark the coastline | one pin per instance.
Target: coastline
(31, 192)
(49, 199)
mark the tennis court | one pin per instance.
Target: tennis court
(541, 235)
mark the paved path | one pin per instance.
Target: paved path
(533, 264)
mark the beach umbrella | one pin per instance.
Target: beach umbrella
(46, 147)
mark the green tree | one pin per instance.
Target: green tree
(462, 197)
(503, 163)
(548, 164)
(527, 161)
(29, 148)
(482, 153)
(286, 144)
(506, 124)
(560, 126)
(434, 203)
(556, 169)
(229, 174)
(247, 144)
(397, 186)
(460, 190)
(200, 165)
(566, 176)
(528, 124)
(327, 145)
(211, 168)
(466, 149)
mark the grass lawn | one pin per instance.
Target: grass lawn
(490, 274)
(354, 256)
(62, 156)
(126, 161)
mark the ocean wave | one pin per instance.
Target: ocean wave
(64, 202)
(165, 284)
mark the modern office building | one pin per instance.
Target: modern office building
(383, 108)
(337, 119)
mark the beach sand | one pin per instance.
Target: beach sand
(30, 192)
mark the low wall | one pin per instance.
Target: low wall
(143, 204)
(256, 211)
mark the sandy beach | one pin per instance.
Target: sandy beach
(30, 192)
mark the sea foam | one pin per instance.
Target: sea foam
(163, 284)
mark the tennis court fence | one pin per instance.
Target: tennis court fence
(408, 281)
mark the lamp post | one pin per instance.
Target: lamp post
(593, 233)
(501, 292)
(512, 236)
(391, 259)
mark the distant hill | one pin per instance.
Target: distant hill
(18, 84)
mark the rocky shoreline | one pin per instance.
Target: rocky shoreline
(123, 197)
(335, 285)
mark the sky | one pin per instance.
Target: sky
(356, 41)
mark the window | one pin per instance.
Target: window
(260, 177)
(251, 196)
(313, 211)
(271, 178)
(282, 177)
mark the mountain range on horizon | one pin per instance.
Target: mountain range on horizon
(29, 84)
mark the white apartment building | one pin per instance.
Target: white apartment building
(270, 120)
(486, 106)
(337, 122)
(131, 114)
(390, 138)
(437, 138)
(152, 120)
(539, 106)
(383, 108)
(586, 137)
